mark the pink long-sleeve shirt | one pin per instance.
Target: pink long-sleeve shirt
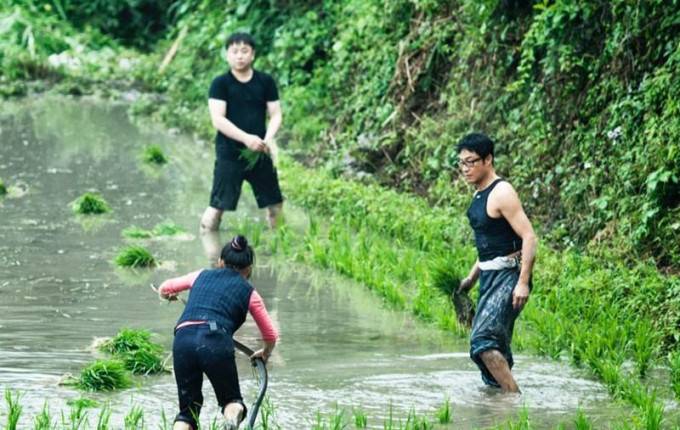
(255, 307)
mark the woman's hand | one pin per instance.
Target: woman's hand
(261, 353)
(466, 285)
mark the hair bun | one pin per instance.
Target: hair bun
(239, 243)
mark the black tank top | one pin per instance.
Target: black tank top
(494, 237)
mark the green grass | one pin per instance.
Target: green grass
(153, 154)
(360, 418)
(674, 364)
(43, 421)
(135, 256)
(90, 204)
(134, 420)
(104, 375)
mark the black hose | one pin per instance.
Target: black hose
(262, 377)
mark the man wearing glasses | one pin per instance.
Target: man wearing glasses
(506, 248)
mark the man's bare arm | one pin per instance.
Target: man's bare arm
(508, 203)
(218, 110)
(275, 120)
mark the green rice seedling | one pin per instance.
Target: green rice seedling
(674, 364)
(43, 421)
(90, 203)
(82, 402)
(167, 228)
(153, 154)
(13, 409)
(134, 420)
(337, 421)
(129, 339)
(250, 157)
(163, 425)
(414, 422)
(268, 416)
(644, 346)
(3, 188)
(135, 256)
(445, 276)
(444, 413)
(77, 418)
(388, 423)
(144, 361)
(360, 418)
(134, 232)
(104, 375)
(104, 418)
(581, 422)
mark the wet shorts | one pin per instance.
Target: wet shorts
(197, 350)
(228, 179)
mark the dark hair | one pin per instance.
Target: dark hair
(237, 254)
(476, 142)
(240, 38)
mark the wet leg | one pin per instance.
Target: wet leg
(498, 366)
(274, 214)
(210, 221)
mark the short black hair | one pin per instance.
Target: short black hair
(476, 142)
(240, 37)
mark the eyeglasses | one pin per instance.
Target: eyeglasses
(468, 163)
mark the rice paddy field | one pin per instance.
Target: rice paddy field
(69, 277)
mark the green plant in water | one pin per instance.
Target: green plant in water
(135, 256)
(43, 421)
(90, 204)
(13, 409)
(134, 232)
(129, 339)
(167, 228)
(581, 422)
(153, 154)
(143, 361)
(104, 418)
(82, 402)
(644, 344)
(444, 413)
(104, 375)
(674, 363)
(134, 420)
(3, 188)
(360, 418)
(77, 418)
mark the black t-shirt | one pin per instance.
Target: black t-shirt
(246, 107)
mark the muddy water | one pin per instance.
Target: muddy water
(59, 290)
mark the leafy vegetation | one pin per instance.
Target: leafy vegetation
(104, 375)
(135, 256)
(90, 203)
(153, 154)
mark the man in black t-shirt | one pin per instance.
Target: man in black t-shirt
(239, 101)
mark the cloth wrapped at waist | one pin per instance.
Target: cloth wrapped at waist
(503, 262)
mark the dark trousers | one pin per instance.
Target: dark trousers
(197, 350)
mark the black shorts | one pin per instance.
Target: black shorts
(228, 179)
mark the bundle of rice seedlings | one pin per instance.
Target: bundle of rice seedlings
(135, 256)
(134, 232)
(167, 228)
(129, 339)
(104, 375)
(90, 203)
(154, 154)
(144, 361)
(135, 348)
